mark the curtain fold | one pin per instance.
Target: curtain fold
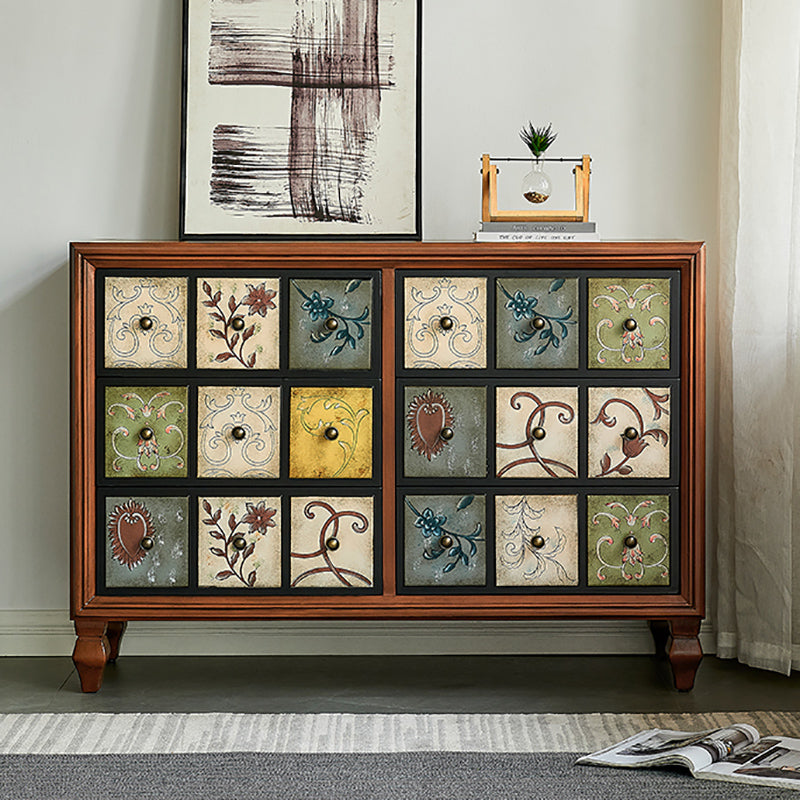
(757, 493)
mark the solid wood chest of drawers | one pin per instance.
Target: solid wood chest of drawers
(387, 430)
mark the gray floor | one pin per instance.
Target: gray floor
(392, 684)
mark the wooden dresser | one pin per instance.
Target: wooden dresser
(387, 431)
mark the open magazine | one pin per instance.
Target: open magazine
(736, 753)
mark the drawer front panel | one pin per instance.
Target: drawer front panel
(330, 324)
(628, 325)
(536, 540)
(145, 323)
(444, 322)
(629, 432)
(537, 323)
(238, 433)
(444, 540)
(332, 542)
(330, 432)
(147, 542)
(145, 431)
(536, 432)
(238, 323)
(445, 431)
(628, 540)
(239, 542)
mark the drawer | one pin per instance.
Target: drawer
(330, 432)
(239, 542)
(145, 431)
(445, 431)
(238, 323)
(145, 323)
(330, 323)
(536, 540)
(629, 323)
(332, 542)
(628, 540)
(238, 431)
(537, 323)
(444, 323)
(443, 540)
(629, 432)
(147, 542)
(536, 432)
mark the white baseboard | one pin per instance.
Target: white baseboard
(50, 633)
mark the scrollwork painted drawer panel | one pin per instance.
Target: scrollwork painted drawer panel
(145, 431)
(629, 323)
(444, 322)
(238, 431)
(330, 323)
(238, 323)
(628, 540)
(145, 323)
(147, 542)
(537, 323)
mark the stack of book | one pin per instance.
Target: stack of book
(537, 232)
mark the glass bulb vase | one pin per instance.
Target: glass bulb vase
(536, 186)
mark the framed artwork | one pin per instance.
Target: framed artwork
(301, 119)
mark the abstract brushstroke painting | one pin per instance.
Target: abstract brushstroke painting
(301, 118)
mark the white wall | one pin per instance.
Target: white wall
(90, 137)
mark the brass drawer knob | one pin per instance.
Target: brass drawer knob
(445, 323)
(539, 433)
(147, 543)
(630, 324)
(446, 434)
(145, 323)
(238, 433)
(537, 323)
(146, 434)
(537, 541)
(239, 543)
(237, 323)
(446, 541)
(630, 541)
(331, 433)
(331, 323)
(630, 433)
(332, 543)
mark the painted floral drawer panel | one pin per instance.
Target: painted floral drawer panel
(445, 431)
(628, 324)
(238, 323)
(239, 542)
(537, 323)
(629, 432)
(145, 323)
(330, 432)
(330, 323)
(145, 431)
(444, 323)
(536, 432)
(536, 540)
(238, 431)
(147, 542)
(628, 540)
(332, 542)
(444, 540)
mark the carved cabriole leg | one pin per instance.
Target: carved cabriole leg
(90, 653)
(684, 651)
(660, 630)
(114, 632)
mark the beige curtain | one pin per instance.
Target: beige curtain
(757, 495)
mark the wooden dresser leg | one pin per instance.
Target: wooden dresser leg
(114, 632)
(684, 651)
(90, 653)
(660, 630)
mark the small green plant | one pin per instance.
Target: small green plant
(537, 139)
